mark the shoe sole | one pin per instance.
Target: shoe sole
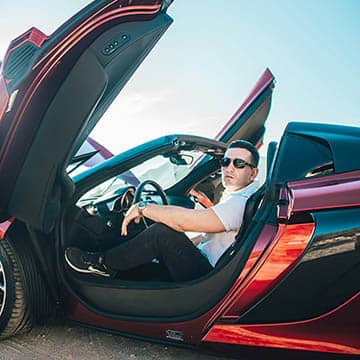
(90, 270)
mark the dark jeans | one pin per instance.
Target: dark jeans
(173, 249)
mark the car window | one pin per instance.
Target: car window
(159, 168)
(163, 171)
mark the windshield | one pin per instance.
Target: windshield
(158, 168)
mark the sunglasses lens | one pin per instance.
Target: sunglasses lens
(239, 163)
(225, 162)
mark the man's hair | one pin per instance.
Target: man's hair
(248, 146)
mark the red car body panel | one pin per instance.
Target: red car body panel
(318, 334)
(277, 258)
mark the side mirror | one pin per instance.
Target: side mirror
(181, 159)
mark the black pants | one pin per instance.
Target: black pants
(174, 249)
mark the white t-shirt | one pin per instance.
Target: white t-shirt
(230, 211)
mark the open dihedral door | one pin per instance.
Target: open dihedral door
(53, 91)
(248, 122)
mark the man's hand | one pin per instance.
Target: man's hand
(131, 214)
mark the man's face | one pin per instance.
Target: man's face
(233, 178)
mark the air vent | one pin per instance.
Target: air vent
(19, 60)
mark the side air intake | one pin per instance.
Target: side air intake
(19, 60)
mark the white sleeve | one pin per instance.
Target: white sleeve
(231, 212)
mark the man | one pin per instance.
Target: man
(165, 240)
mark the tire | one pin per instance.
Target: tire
(24, 300)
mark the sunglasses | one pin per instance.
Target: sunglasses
(238, 163)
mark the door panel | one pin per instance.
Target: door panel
(41, 166)
(67, 83)
(325, 277)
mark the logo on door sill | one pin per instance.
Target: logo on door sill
(175, 335)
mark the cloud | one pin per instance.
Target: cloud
(137, 102)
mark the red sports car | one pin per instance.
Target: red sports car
(289, 281)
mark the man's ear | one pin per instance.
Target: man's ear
(255, 172)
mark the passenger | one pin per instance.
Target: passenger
(184, 258)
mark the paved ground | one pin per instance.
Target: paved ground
(65, 341)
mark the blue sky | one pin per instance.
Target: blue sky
(212, 55)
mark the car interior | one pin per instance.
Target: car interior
(140, 292)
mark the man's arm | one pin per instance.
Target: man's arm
(176, 217)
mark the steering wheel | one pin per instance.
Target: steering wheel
(158, 189)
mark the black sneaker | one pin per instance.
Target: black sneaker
(86, 262)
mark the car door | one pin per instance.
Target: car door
(248, 121)
(53, 91)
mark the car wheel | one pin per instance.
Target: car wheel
(23, 297)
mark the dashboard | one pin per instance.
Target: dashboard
(117, 202)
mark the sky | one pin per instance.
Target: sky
(209, 59)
